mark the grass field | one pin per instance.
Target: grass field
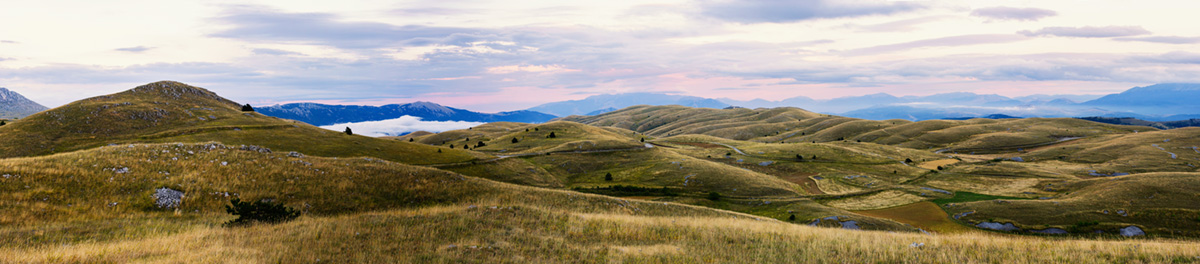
(712, 186)
(924, 215)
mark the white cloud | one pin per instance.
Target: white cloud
(400, 126)
(1088, 32)
(554, 68)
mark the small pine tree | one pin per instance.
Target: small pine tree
(515, 141)
(247, 108)
(480, 145)
(439, 150)
(814, 157)
(466, 147)
(714, 196)
(608, 176)
(348, 132)
(643, 139)
(792, 218)
(451, 145)
(526, 130)
(800, 158)
(940, 168)
(535, 129)
(2, 122)
(907, 160)
(552, 135)
(410, 140)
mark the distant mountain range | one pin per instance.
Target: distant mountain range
(1155, 103)
(1138, 122)
(323, 114)
(1161, 102)
(617, 101)
(14, 105)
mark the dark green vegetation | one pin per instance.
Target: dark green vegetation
(261, 211)
(962, 197)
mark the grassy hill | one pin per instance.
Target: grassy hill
(1161, 203)
(431, 215)
(174, 112)
(790, 125)
(531, 138)
(77, 184)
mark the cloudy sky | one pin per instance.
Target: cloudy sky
(509, 55)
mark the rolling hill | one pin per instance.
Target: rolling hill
(168, 111)
(797, 125)
(657, 184)
(431, 215)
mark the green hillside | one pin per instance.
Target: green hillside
(168, 111)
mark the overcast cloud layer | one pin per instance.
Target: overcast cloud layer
(500, 56)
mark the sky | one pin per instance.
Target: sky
(508, 55)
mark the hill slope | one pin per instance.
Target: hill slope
(792, 125)
(175, 112)
(430, 216)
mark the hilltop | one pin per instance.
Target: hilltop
(14, 105)
(175, 112)
(792, 125)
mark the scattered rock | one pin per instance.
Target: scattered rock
(1122, 213)
(937, 190)
(850, 225)
(960, 215)
(1114, 174)
(255, 148)
(765, 163)
(295, 154)
(1130, 231)
(1017, 159)
(998, 226)
(1051, 231)
(167, 198)
(917, 245)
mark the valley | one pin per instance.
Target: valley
(639, 184)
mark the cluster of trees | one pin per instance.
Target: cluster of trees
(626, 190)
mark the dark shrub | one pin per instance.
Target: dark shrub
(260, 211)
(714, 196)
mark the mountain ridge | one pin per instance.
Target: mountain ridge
(14, 105)
(325, 114)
